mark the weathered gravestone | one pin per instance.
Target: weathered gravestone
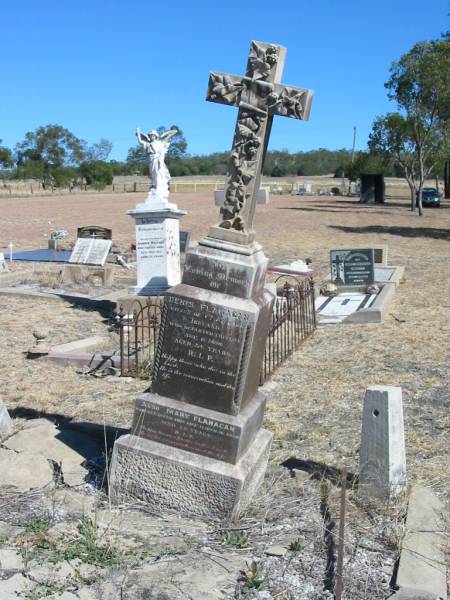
(87, 262)
(352, 267)
(197, 444)
(90, 251)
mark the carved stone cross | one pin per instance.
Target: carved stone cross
(259, 96)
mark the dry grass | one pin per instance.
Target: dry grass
(315, 412)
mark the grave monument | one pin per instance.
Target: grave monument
(196, 444)
(157, 224)
(87, 262)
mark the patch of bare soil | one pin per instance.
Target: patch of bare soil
(315, 410)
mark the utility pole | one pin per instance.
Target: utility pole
(354, 141)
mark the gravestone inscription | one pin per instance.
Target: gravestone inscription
(90, 252)
(352, 267)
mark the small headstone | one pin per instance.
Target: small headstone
(382, 463)
(90, 252)
(184, 241)
(5, 421)
(94, 231)
(3, 265)
(352, 267)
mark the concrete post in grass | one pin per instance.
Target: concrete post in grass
(382, 467)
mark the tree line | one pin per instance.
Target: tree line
(412, 142)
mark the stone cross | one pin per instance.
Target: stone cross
(259, 96)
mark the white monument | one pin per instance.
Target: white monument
(157, 224)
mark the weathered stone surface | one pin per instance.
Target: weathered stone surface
(13, 587)
(412, 594)
(199, 578)
(24, 470)
(220, 270)
(69, 449)
(168, 478)
(82, 274)
(6, 423)
(382, 468)
(10, 560)
(196, 429)
(422, 567)
(276, 550)
(93, 341)
(210, 347)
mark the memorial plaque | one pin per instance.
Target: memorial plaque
(90, 252)
(195, 429)
(94, 231)
(352, 267)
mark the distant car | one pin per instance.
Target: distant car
(430, 197)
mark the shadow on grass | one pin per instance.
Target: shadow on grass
(318, 470)
(412, 232)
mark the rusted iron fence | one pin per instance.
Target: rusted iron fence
(293, 320)
(138, 333)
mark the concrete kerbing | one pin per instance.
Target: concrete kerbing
(81, 359)
(422, 568)
(78, 345)
(377, 312)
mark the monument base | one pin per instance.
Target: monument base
(82, 274)
(148, 290)
(168, 478)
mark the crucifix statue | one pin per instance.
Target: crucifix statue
(259, 96)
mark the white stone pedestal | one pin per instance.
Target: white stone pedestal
(157, 246)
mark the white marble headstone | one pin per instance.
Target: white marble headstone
(90, 251)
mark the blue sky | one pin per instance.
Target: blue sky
(102, 68)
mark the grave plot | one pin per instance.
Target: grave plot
(361, 289)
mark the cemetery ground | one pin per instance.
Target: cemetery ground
(69, 539)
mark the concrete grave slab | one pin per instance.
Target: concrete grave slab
(41, 438)
(24, 471)
(422, 567)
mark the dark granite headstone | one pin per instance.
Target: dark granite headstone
(211, 347)
(94, 231)
(184, 241)
(352, 267)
